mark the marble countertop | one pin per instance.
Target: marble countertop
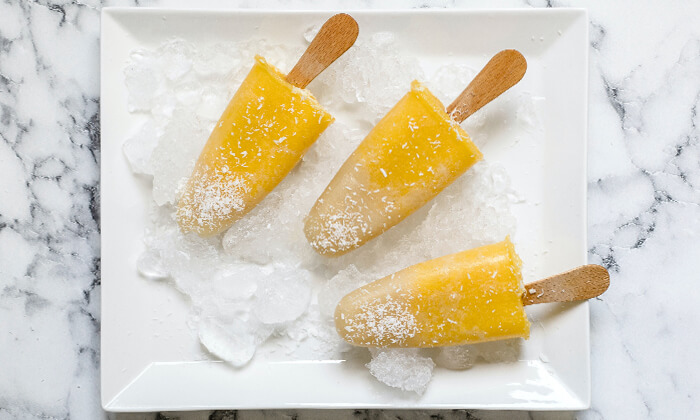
(643, 209)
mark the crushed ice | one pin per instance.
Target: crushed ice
(260, 281)
(405, 369)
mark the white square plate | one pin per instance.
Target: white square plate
(152, 361)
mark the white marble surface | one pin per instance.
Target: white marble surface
(644, 209)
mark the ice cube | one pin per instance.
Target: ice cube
(212, 104)
(404, 369)
(340, 285)
(235, 282)
(143, 81)
(311, 32)
(150, 265)
(214, 61)
(315, 337)
(189, 259)
(283, 295)
(258, 237)
(450, 80)
(359, 76)
(503, 351)
(175, 58)
(173, 158)
(139, 147)
(456, 357)
(233, 342)
(328, 154)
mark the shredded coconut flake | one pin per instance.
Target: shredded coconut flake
(389, 319)
(211, 197)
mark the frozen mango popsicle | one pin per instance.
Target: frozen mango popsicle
(412, 154)
(463, 298)
(469, 297)
(261, 136)
(266, 128)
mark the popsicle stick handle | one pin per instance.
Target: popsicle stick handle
(503, 71)
(585, 282)
(333, 39)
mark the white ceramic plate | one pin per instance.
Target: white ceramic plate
(152, 361)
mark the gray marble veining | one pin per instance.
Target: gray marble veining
(644, 209)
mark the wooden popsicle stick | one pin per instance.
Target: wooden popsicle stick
(333, 39)
(503, 71)
(581, 283)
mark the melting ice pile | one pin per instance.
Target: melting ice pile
(261, 282)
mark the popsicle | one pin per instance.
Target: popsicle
(412, 154)
(262, 134)
(464, 298)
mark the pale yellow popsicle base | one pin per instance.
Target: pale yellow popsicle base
(468, 297)
(261, 136)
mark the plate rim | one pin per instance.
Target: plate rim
(117, 11)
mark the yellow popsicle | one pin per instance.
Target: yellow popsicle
(261, 136)
(411, 155)
(468, 297)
